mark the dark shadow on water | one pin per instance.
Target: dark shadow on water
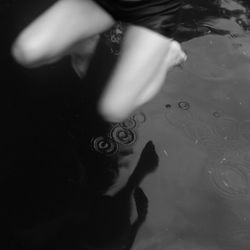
(50, 207)
(109, 226)
(199, 18)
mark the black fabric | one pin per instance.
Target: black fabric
(159, 15)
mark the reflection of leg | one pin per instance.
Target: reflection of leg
(54, 33)
(147, 163)
(174, 56)
(141, 201)
(136, 169)
(143, 53)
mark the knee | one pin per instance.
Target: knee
(114, 111)
(23, 52)
(26, 52)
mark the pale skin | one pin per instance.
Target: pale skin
(64, 28)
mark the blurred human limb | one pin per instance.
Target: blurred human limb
(68, 24)
(145, 58)
(174, 56)
(57, 31)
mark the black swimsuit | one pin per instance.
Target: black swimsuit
(158, 15)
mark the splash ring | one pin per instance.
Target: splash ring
(104, 145)
(122, 135)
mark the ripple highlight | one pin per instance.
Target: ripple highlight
(104, 145)
(229, 176)
(122, 135)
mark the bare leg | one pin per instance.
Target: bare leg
(54, 33)
(143, 54)
(174, 56)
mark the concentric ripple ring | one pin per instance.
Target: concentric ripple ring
(231, 181)
(104, 145)
(129, 123)
(122, 135)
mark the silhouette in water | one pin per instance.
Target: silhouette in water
(109, 225)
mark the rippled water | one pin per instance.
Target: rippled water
(199, 195)
(187, 189)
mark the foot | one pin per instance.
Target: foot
(175, 55)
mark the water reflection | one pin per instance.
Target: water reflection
(213, 17)
(198, 196)
(109, 224)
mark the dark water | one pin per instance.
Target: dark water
(174, 176)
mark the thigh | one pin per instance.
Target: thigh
(143, 52)
(64, 24)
